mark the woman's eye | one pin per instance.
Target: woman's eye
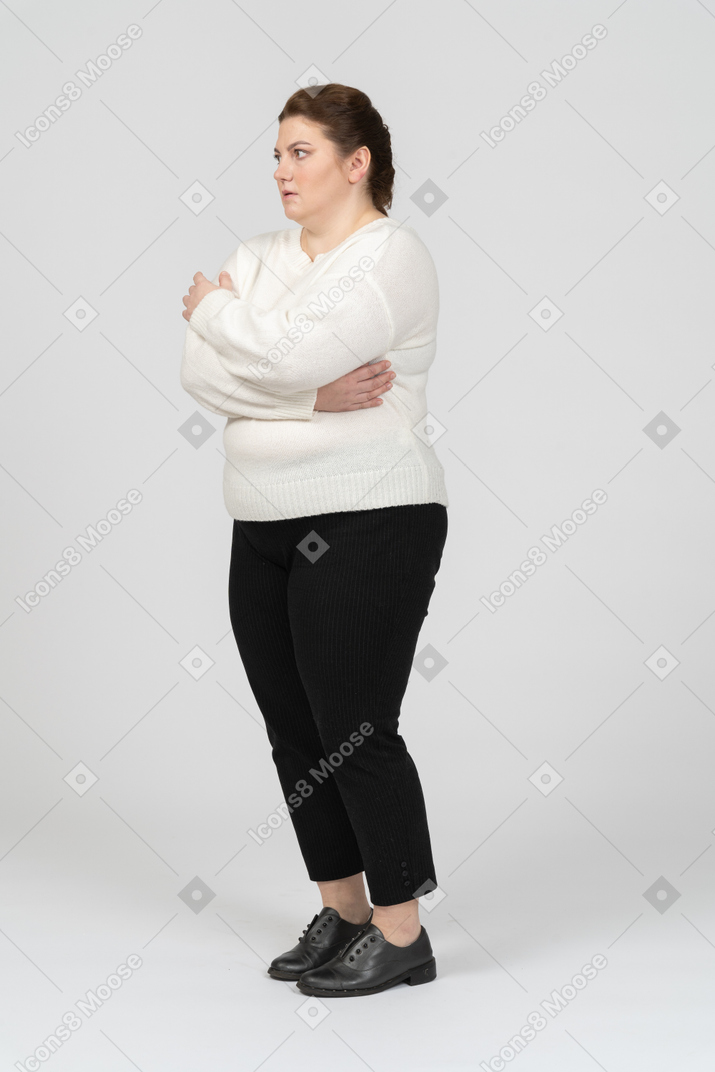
(276, 158)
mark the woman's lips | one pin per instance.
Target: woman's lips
(289, 193)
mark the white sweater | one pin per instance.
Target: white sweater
(258, 355)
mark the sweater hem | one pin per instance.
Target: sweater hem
(333, 494)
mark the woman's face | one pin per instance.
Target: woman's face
(312, 181)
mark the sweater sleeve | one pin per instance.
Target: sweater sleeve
(207, 381)
(341, 322)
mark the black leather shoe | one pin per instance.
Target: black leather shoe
(320, 941)
(370, 964)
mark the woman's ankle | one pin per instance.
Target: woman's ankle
(356, 914)
(348, 897)
(358, 917)
(399, 924)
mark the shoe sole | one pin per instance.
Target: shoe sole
(274, 973)
(425, 973)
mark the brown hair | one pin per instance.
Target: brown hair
(347, 117)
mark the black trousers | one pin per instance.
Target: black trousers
(326, 611)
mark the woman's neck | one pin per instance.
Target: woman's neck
(314, 243)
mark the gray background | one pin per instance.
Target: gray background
(537, 875)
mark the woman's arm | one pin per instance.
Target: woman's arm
(340, 324)
(203, 377)
(207, 381)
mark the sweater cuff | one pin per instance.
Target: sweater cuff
(209, 305)
(298, 406)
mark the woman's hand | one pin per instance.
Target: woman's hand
(355, 390)
(202, 286)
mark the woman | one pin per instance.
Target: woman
(339, 508)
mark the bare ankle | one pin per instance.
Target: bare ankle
(353, 914)
(347, 897)
(399, 926)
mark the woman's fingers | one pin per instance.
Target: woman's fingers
(368, 372)
(385, 386)
(380, 378)
(372, 396)
(362, 386)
